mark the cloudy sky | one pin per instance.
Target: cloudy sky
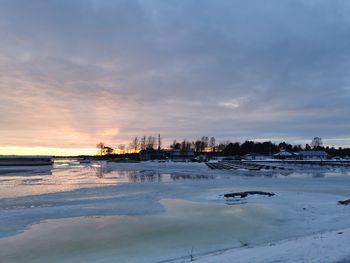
(75, 72)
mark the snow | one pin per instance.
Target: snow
(321, 247)
(150, 212)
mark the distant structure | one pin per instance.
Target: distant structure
(255, 156)
(302, 155)
(314, 155)
(173, 155)
(285, 155)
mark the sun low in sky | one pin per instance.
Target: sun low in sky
(74, 73)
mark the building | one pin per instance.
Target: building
(314, 155)
(256, 156)
(181, 156)
(174, 155)
(147, 155)
(285, 155)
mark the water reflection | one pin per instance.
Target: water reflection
(99, 169)
(154, 237)
(151, 176)
(142, 176)
(300, 171)
(176, 177)
(69, 175)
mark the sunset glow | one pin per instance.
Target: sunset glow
(46, 151)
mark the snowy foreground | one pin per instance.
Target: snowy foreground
(172, 212)
(322, 247)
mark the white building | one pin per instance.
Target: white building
(314, 155)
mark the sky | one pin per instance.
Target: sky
(77, 72)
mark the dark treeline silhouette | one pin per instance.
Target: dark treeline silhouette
(268, 148)
(264, 148)
(341, 152)
(207, 145)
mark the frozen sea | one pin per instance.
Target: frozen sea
(164, 212)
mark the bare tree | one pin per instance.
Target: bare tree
(104, 149)
(205, 142)
(100, 146)
(175, 145)
(316, 142)
(135, 144)
(212, 144)
(151, 141)
(122, 148)
(198, 146)
(107, 150)
(143, 143)
(186, 146)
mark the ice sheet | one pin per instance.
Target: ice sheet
(162, 203)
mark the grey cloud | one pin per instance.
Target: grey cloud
(181, 67)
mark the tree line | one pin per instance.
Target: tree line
(209, 145)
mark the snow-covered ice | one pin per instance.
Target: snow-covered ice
(153, 212)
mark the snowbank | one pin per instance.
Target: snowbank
(321, 247)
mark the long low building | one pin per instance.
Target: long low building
(174, 155)
(314, 155)
(302, 155)
(25, 160)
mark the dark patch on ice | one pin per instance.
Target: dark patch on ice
(246, 193)
(344, 202)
